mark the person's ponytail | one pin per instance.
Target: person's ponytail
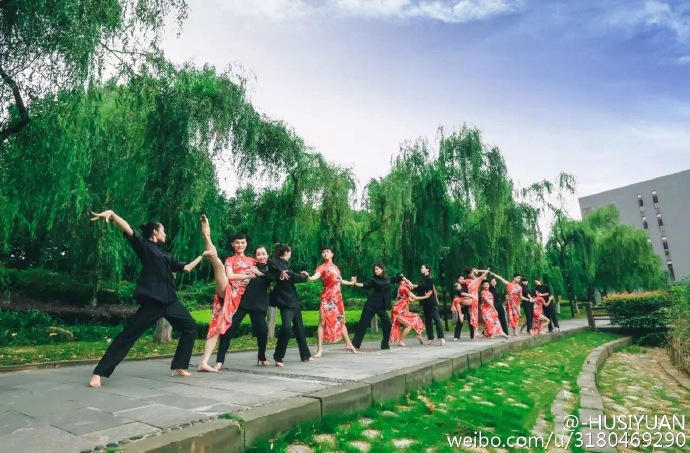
(147, 229)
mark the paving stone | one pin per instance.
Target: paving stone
(46, 439)
(80, 421)
(11, 421)
(183, 402)
(118, 433)
(159, 415)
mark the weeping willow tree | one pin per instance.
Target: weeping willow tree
(145, 149)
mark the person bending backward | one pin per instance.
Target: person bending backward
(402, 316)
(539, 320)
(513, 298)
(284, 297)
(549, 304)
(230, 286)
(429, 305)
(332, 309)
(378, 303)
(155, 294)
(254, 303)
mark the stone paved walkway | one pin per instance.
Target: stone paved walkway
(55, 411)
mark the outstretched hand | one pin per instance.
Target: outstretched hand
(107, 215)
(284, 276)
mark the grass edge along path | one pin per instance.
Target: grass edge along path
(511, 396)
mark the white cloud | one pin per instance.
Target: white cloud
(654, 14)
(449, 11)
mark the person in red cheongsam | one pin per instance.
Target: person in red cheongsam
(492, 325)
(332, 326)
(239, 269)
(402, 316)
(539, 321)
(513, 299)
(473, 282)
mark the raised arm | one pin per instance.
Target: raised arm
(119, 221)
(505, 282)
(191, 265)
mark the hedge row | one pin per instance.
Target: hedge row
(679, 336)
(44, 284)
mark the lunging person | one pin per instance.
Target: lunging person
(155, 294)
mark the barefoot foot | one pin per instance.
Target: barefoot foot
(95, 381)
(218, 366)
(204, 368)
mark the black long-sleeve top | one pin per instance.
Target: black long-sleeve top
(426, 284)
(284, 294)
(156, 281)
(381, 295)
(499, 297)
(255, 297)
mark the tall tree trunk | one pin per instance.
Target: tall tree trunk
(163, 333)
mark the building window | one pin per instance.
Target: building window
(641, 208)
(670, 269)
(665, 244)
(659, 220)
(644, 225)
(667, 253)
(640, 202)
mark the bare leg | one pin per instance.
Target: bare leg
(348, 344)
(208, 350)
(210, 254)
(405, 331)
(319, 334)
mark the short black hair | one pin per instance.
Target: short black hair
(326, 247)
(517, 274)
(427, 266)
(281, 249)
(256, 249)
(237, 236)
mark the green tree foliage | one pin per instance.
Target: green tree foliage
(52, 45)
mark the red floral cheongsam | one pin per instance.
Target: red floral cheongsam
(538, 310)
(401, 310)
(332, 308)
(221, 319)
(473, 288)
(492, 326)
(513, 298)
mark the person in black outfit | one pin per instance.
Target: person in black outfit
(527, 306)
(254, 303)
(284, 296)
(155, 293)
(549, 306)
(430, 306)
(463, 293)
(378, 303)
(499, 301)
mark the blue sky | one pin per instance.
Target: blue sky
(598, 89)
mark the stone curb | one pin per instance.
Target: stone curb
(263, 421)
(591, 404)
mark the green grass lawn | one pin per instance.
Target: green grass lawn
(507, 397)
(144, 347)
(309, 317)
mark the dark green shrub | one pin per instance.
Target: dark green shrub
(309, 294)
(48, 284)
(679, 336)
(647, 310)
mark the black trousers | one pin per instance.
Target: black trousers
(432, 317)
(458, 325)
(550, 313)
(292, 321)
(368, 314)
(501, 310)
(259, 330)
(147, 314)
(528, 307)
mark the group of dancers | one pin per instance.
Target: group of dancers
(248, 285)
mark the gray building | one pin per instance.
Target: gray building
(661, 207)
